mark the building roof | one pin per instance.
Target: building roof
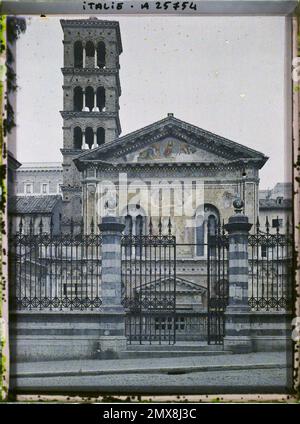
(228, 150)
(274, 204)
(13, 163)
(33, 204)
(41, 166)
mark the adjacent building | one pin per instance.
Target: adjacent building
(39, 179)
(35, 214)
(275, 208)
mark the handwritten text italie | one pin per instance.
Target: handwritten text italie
(145, 6)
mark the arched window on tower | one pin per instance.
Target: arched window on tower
(78, 99)
(101, 98)
(78, 54)
(100, 136)
(101, 55)
(89, 137)
(77, 138)
(89, 97)
(89, 49)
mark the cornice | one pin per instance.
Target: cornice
(94, 23)
(73, 188)
(70, 152)
(40, 170)
(160, 166)
(73, 114)
(83, 71)
(94, 71)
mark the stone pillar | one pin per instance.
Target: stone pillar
(85, 108)
(83, 56)
(95, 108)
(114, 339)
(95, 140)
(237, 315)
(83, 141)
(96, 56)
(90, 205)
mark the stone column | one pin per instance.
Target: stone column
(83, 56)
(96, 56)
(113, 338)
(90, 205)
(83, 141)
(95, 140)
(85, 108)
(95, 108)
(237, 315)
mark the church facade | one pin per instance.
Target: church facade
(170, 158)
(138, 213)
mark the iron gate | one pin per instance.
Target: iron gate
(149, 286)
(217, 285)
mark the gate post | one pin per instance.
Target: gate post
(113, 338)
(237, 314)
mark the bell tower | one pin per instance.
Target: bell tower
(91, 91)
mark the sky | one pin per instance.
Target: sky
(223, 74)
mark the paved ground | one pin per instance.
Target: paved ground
(263, 372)
(242, 381)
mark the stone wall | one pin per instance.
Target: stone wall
(42, 336)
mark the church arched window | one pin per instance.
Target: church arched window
(101, 98)
(89, 137)
(89, 97)
(78, 54)
(207, 219)
(77, 138)
(100, 136)
(128, 225)
(200, 239)
(101, 54)
(78, 99)
(134, 220)
(139, 225)
(90, 49)
(212, 225)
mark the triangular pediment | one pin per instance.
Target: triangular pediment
(170, 140)
(167, 285)
(168, 149)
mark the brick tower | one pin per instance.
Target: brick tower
(91, 99)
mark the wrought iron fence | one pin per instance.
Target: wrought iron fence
(218, 284)
(270, 268)
(55, 272)
(158, 326)
(149, 285)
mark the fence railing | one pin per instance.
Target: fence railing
(159, 327)
(63, 272)
(270, 269)
(149, 285)
(54, 272)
